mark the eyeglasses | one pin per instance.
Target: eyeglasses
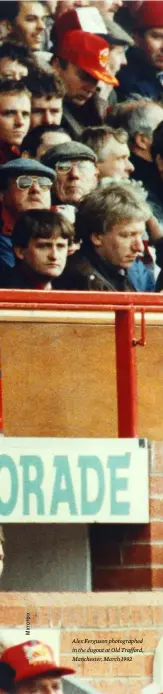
(27, 182)
(63, 167)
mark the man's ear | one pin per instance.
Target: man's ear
(143, 141)
(159, 163)
(25, 155)
(19, 252)
(96, 239)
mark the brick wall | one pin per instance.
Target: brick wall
(95, 616)
(131, 557)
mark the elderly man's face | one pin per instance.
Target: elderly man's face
(40, 685)
(33, 198)
(76, 180)
(116, 163)
(1, 558)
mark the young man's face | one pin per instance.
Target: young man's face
(40, 685)
(122, 244)
(46, 111)
(152, 45)
(15, 110)
(12, 69)
(79, 85)
(30, 24)
(1, 558)
(81, 179)
(46, 257)
(116, 163)
(33, 198)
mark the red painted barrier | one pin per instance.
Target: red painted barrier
(125, 306)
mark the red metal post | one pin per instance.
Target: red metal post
(1, 410)
(126, 374)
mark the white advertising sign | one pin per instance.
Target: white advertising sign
(73, 480)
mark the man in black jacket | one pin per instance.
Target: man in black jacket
(144, 73)
(110, 224)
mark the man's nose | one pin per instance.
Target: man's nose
(129, 166)
(35, 186)
(53, 252)
(19, 119)
(47, 117)
(124, 59)
(74, 173)
(138, 245)
(40, 23)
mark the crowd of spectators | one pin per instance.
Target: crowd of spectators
(81, 144)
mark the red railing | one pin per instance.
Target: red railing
(125, 307)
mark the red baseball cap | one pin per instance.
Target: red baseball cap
(31, 659)
(149, 14)
(89, 52)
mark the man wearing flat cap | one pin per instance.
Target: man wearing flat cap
(24, 184)
(76, 173)
(30, 667)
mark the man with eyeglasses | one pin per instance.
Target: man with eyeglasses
(25, 184)
(75, 168)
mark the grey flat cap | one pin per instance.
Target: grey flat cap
(21, 166)
(116, 35)
(68, 151)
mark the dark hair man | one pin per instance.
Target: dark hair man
(47, 94)
(33, 665)
(41, 239)
(1, 550)
(26, 21)
(15, 112)
(110, 224)
(143, 74)
(112, 151)
(39, 140)
(76, 173)
(15, 61)
(25, 184)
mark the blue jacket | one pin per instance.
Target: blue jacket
(138, 77)
(142, 276)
